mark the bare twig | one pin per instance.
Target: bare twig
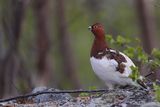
(149, 74)
(53, 92)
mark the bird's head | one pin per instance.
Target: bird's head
(98, 30)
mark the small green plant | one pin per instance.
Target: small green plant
(132, 48)
(84, 94)
(110, 39)
(88, 94)
(157, 91)
(135, 73)
(130, 51)
(156, 53)
(121, 41)
(92, 88)
(155, 61)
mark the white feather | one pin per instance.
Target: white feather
(105, 69)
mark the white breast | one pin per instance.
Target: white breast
(105, 69)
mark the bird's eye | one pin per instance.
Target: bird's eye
(95, 27)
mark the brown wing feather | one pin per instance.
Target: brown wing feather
(113, 55)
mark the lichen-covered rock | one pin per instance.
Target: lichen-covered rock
(129, 97)
(151, 104)
(123, 98)
(50, 97)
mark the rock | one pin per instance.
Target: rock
(39, 89)
(61, 98)
(151, 104)
(129, 97)
(123, 98)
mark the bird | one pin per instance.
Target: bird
(111, 66)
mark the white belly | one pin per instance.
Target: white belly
(105, 69)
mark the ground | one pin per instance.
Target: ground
(128, 97)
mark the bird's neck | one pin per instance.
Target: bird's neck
(99, 45)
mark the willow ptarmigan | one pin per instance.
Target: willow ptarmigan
(111, 66)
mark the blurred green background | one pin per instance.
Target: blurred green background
(47, 42)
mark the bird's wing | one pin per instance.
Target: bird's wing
(124, 62)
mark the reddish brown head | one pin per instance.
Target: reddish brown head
(99, 44)
(98, 30)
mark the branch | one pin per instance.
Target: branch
(53, 92)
